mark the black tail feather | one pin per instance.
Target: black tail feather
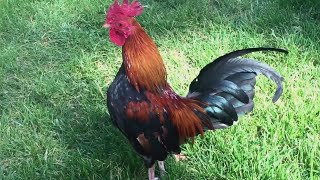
(227, 85)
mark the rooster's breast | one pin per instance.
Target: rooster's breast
(120, 93)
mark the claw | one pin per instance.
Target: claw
(180, 157)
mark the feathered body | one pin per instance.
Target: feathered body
(150, 114)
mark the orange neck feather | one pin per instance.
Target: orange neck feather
(144, 65)
(146, 71)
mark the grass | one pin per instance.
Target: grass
(56, 63)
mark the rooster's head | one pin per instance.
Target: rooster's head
(119, 19)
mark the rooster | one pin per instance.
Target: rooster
(154, 118)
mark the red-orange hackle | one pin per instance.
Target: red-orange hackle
(144, 65)
(146, 71)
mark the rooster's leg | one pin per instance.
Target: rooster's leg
(161, 167)
(151, 173)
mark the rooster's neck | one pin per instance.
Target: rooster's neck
(143, 63)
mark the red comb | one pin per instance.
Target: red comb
(127, 9)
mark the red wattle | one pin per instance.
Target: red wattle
(117, 38)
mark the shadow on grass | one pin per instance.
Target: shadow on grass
(257, 17)
(94, 147)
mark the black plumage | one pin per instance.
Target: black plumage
(227, 85)
(120, 93)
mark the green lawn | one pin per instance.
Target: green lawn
(56, 63)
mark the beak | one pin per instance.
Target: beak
(106, 25)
